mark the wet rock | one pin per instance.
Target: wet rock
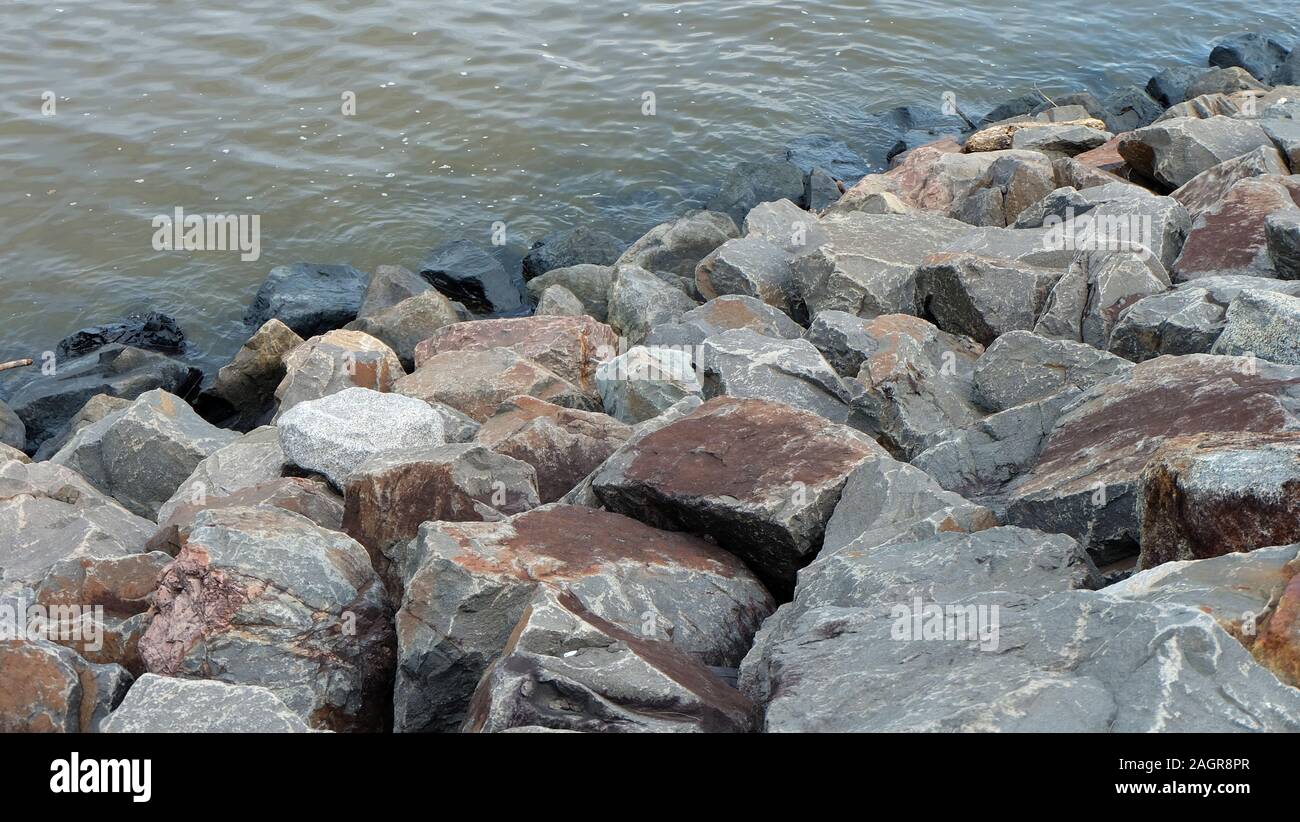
(1223, 81)
(335, 435)
(821, 190)
(981, 298)
(265, 597)
(1230, 238)
(50, 689)
(162, 704)
(1021, 367)
(469, 274)
(141, 454)
(904, 128)
(1207, 495)
(725, 313)
(562, 444)
(1254, 52)
(760, 477)
(639, 301)
(1170, 85)
(1262, 324)
(822, 151)
(558, 301)
(475, 382)
(242, 396)
(567, 669)
(744, 363)
(48, 402)
(752, 267)
(1129, 108)
(1172, 152)
(1207, 189)
(589, 283)
(644, 382)
(152, 331)
(12, 431)
(390, 285)
(333, 362)
(1282, 235)
(569, 247)
(748, 184)
(678, 246)
(405, 325)
(1085, 481)
(657, 584)
(309, 298)
(1085, 304)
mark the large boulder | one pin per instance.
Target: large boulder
(644, 382)
(263, 596)
(405, 325)
(760, 477)
(1282, 234)
(141, 454)
(1207, 189)
(1262, 324)
(253, 458)
(1021, 367)
(469, 274)
(1207, 495)
(1230, 237)
(562, 444)
(163, 704)
(558, 301)
(335, 435)
(1256, 53)
(333, 362)
(1169, 86)
(640, 301)
(95, 409)
(309, 298)
(568, 247)
(242, 394)
(1086, 302)
(50, 689)
(390, 285)
(844, 339)
(744, 363)
(475, 383)
(589, 283)
(750, 183)
(1224, 81)
(12, 431)
(1129, 108)
(752, 266)
(981, 298)
(1174, 151)
(657, 584)
(678, 246)
(720, 314)
(47, 402)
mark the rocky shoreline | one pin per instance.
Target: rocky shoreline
(1002, 437)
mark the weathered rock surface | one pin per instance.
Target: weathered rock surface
(639, 301)
(1174, 151)
(335, 361)
(309, 298)
(589, 283)
(1169, 86)
(152, 331)
(1086, 302)
(744, 363)
(1262, 324)
(95, 409)
(568, 247)
(558, 301)
(251, 459)
(475, 382)
(1282, 234)
(981, 298)
(46, 688)
(750, 183)
(752, 266)
(404, 326)
(1021, 367)
(1207, 189)
(390, 285)
(677, 246)
(162, 704)
(644, 382)
(469, 274)
(720, 314)
(241, 396)
(1129, 108)
(1254, 52)
(1230, 237)
(844, 340)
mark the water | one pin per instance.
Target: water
(468, 112)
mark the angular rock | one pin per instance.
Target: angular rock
(1203, 107)
(1086, 303)
(639, 301)
(152, 331)
(242, 396)
(644, 382)
(405, 325)
(1282, 236)
(1207, 189)
(589, 283)
(1022, 367)
(725, 313)
(12, 431)
(748, 184)
(162, 704)
(1230, 238)
(1060, 139)
(783, 224)
(1254, 52)
(333, 362)
(1262, 324)
(253, 458)
(569, 247)
(1174, 151)
(678, 246)
(844, 340)
(1129, 108)
(1285, 134)
(95, 409)
(744, 363)
(1170, 85)
(390, 285)
(50, 689)
(558, 301)
(981, 298)
(469, 274)
(309, 298)
(475, 382)
(1223, 81)
(752, 267)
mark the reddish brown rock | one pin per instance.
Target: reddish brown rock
(1106, 157)
(1277, 640)
(46, 688)
(562, 444)
(1229, 238)
(475, 383)
(335, 361)
(1207, 189)
(1212, 494)
(570, 347)
(759, 477)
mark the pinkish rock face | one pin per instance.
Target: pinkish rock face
(1229, 238)
(311, 498)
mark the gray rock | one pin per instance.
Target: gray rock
(1285, 134)
(390, 285)
(1129, 108)
(95, 409)
(162, 704)
(725, 313)
(1086, 302)
(1231, 237)
(1060, 140)
(1174, 151)
(558, 301)
(751, 183)
(981, 298)
(242, 396)
(1224, 81)
(12, 431)
(639, 301)
(743, 363)
(1021, 367)
(404, 326)
(678, 246)
(569, 247)
(470, 274)
(821, 190)
(784, 224)
(1282, 234)
(250, 460)
(589, 283)
(844, 340)
(1260, 55)
(141, 454)
(309, 298)
(1203, 107)
(1204, 191)
(749, 266)
(1262, 324)
(333, 362)
(336, 434)
(1120, 216)
(1289, 72)
(642, 383)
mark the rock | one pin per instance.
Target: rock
(783, 224)
(1207, 189)
(639, 301)
(677, 246)
(744, 363)
(469, 274)
(249, 460)
(1223, 81)
(1257, 54)
(567, 669)
(589, 283)
(1015, 107)
(1186, 320)
(760, 477)
(1014, 181)
(475, 382)
(8, 452)
(981, 298)
(48, 402)
(262, 596)
(917, 384)
(1174, 151)
(50, 689)
(867, 264)
(456, 427)
(1085, 481)
(1262, 324)
(311, 299)
(1169, 87)
(1021, 367)
(558, 301)
(579, 245)
(1282, 235)
(1001, 136)
(904, 128)
(658, 584)
(336, 434)
(844, 340)
(153, 331)
(725, 313)
(822, 151)
(1060, 139)
(642, 383)
(562, 444)
(1047, 247)
(1289, 72)
(1129, 108)
(1203, 107)
(1230, 237)
(1086, 303)
(309, 497)
(390, 285)
(405, 325)
(242, 395)
(95, 409)
(12, 431)
(162, 704)
(333, 362)
(141, 454)
(49, 513)
(752, 267)
(748, 184)
(1285, 134)
(821, 190)
(570, 347)
(1207, 495)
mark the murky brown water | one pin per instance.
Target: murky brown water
(467, 112)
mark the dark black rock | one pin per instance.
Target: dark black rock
(1015, 107)
(309, 298)
(469, 274)
(1129, 108)
(1257, 54)
(154, 331)
(1169, 87)
(834, 157)
(570, 247)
